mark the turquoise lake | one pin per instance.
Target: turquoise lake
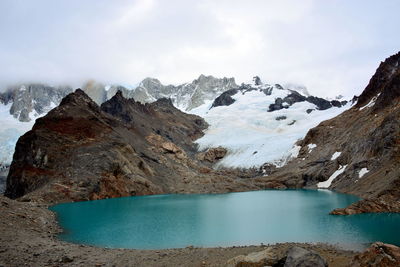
(248, 218)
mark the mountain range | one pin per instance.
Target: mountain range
(253, 136)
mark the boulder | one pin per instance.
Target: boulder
(256, 259)
(300, 257)
(213, 154)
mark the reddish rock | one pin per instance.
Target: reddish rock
(379, 254)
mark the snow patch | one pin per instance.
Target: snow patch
(371, 103)
(311, 147)
(328, 182)
(362, 172)
(336, 155)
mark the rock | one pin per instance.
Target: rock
(294, 97)
(321, 103)
(256, 259)
(300, 257)
(279, 118)
(257, 80)
(66, 259)
(36, 98)
(213, 154)
(379, 254)
(225, 99)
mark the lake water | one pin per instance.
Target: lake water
(249, 218)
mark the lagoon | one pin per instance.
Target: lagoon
(232, 219)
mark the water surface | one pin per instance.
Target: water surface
(248, 218)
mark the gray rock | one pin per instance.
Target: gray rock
(185, 96)
(261, 258)
(32, 99)
(300, 257)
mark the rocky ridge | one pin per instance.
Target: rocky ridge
(122, 148)
(32, 100)
(358, 151)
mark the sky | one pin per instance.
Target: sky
(331, 47)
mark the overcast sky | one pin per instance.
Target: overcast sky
(332, 47)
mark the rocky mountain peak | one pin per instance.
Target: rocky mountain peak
(79, 97)
(32, 99)
(384, 86)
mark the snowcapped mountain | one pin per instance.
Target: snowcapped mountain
(184, 96)
(259, 123)
(20, 105)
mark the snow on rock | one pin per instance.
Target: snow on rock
(328, 182)
(371, 103)
(362, 172)
(311, 147)
(336, 155)
(252, 135)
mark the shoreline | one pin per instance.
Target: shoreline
(29, 237)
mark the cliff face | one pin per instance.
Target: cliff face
(32, 100)
(358, 151)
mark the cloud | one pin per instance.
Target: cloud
(332, 47)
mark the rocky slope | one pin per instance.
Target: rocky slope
(81, 151)
(357, 152)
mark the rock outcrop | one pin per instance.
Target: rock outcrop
(379, 254)
(360, 148)
(212, 155)
(30, 100)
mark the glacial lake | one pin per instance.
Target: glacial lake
(248, 218)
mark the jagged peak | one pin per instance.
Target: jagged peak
(77, 97)
(148, 80)
(384, 86)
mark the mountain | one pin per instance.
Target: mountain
(259, 123)
(356, 152)
(20, 105)
(82, 151)
(186, 96)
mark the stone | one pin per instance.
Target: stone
(379, 254)
(225, 99)
(213, 154)
(300, 257)
(256, 259)
(66, 259)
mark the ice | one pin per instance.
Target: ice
(251, 134)
(328, 182)
(11, 129)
